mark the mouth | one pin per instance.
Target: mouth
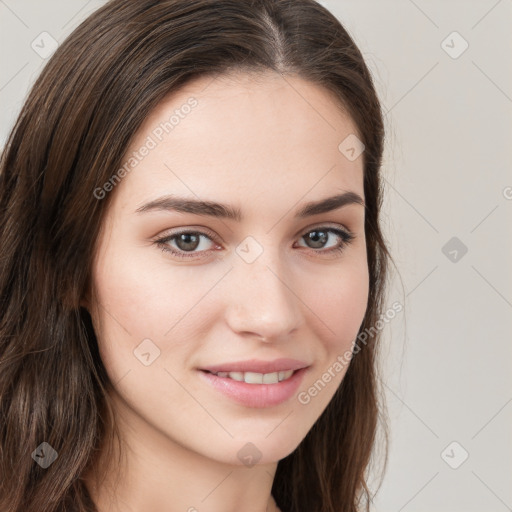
(257, 390)
(254, 377)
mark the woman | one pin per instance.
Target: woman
(189, 209)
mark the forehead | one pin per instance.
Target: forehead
(244, 136)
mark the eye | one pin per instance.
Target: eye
(185, 244)
(319, 236)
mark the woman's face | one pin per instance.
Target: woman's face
(268, 285)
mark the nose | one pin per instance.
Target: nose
(262, 300)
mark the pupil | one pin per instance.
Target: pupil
(315, 238)
(185, 237)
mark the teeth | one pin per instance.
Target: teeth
(257, 378)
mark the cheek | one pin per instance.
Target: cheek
(140, 299)
(135, 294)
(340, 304)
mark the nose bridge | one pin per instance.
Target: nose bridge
(262, 299)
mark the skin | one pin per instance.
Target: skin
(266, 144)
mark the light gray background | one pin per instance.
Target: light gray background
(447, 168)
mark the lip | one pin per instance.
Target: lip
(258, 366)
(256, 395)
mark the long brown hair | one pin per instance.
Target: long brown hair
(69, 139)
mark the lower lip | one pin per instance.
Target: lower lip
(256, 395)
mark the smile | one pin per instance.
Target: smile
(256, 389)
(256, 378)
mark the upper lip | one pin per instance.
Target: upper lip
(258, 366)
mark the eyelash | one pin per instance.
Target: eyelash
(346, 238)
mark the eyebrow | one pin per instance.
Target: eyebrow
(224, 211)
